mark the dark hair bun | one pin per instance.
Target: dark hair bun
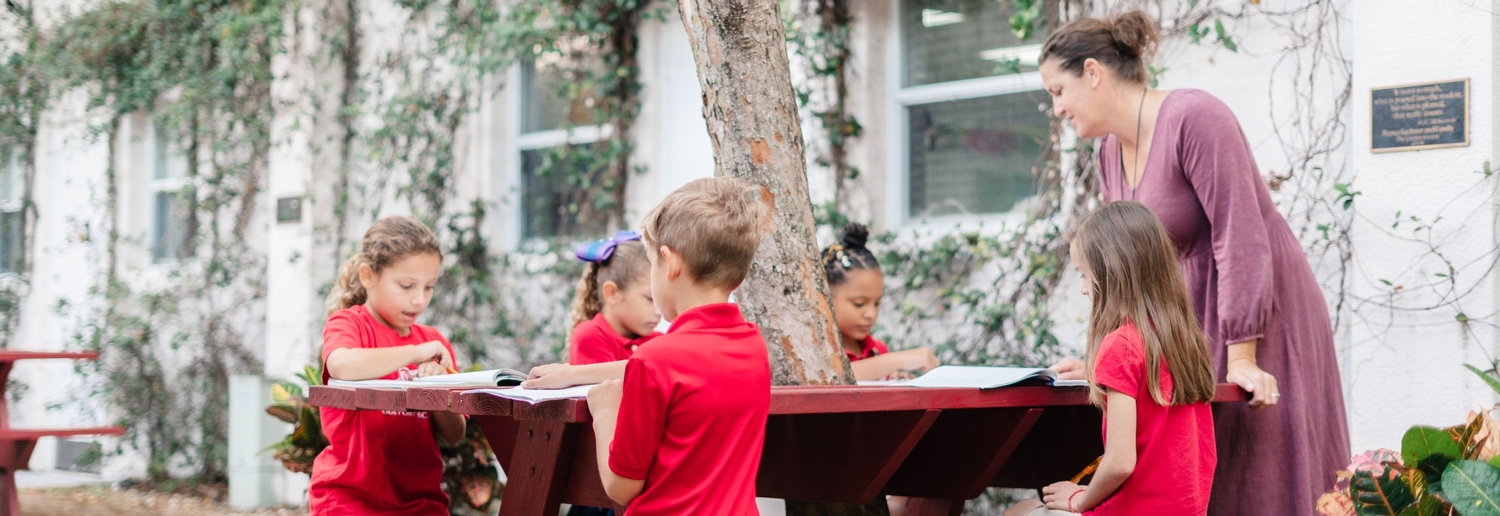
(855, 236)
(1134, 33)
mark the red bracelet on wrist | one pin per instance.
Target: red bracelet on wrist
(1070, 500)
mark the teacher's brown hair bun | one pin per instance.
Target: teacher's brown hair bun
(1123, 43)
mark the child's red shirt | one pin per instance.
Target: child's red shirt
(376, 462)
(1174, 445)
(594, 341)
(868, 347)
(693, 417)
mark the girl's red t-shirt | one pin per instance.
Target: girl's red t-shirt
(594, 341)
(868, 347)
(1174, 445)
(376, 462)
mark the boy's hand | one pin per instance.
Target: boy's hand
(430, 369)
(1059, 496)
(432, 351)
(604, 399)
(1070, 369)
(917, 359)
(549, 376)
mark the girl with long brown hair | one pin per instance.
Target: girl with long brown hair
(1182, 154)
(1148, 367)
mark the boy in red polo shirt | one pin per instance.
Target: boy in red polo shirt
(682, 433)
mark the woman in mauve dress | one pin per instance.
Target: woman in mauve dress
(1182, 154)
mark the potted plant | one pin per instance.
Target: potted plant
(1452, 471)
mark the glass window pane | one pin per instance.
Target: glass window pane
(950, 40)
(168, 162)
(544, 98)
(975, 156)
(560, 194)
(10, 173)
(10, 240)
(169, 226)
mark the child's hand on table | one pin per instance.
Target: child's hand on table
(430, 369)
(604, 399)
(549, 376)
(432, 351)
(1070, 369)
(916, 359)
(1062, 495)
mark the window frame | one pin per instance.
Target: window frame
(539, 140)
(898, 151)
(161, 156)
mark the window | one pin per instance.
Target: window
(973, 107)
(12, 181)
(558, 183)
(172, 200)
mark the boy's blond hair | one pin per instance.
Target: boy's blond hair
(715, 224)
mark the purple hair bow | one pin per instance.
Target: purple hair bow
(600, 250)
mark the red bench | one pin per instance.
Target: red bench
(16, 444)
(837, 444)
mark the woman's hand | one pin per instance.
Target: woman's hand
(1070, 369)
(1244, 372)
(1260, 384)
(1059, 496)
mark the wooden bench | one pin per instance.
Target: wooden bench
(16, 444)
(838, 444)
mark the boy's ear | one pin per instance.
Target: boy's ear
(673, 261)
(366, 276)
(610, 291)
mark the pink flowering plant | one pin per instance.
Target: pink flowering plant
(1451, 471)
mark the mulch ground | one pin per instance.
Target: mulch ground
(108, 501)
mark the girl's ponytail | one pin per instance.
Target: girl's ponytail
(586, 298)
(347, 290)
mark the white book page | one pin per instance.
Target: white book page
(538, 395)
(470, 378)
(976, 377)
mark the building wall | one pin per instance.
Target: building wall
(1400, 367)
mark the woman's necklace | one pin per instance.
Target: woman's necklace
(1136, 160)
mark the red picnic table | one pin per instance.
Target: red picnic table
(940, 446)
(16, 444)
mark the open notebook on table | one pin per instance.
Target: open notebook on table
(981, 377)
(490, 378)
(534, 396)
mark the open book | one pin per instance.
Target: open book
(490, 378)
(534, 396)
(980, 377)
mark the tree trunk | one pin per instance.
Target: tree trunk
(748, 102)
(751, 110)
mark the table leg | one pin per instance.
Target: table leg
(543, 455)
(916, 506)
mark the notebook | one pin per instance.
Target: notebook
(981, 377)
(490, 378)
(534, 396)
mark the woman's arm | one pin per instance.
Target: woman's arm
(371, 363)
(881, 366)
(557, 376)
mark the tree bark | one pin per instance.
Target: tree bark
(751, 110)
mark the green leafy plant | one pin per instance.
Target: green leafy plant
(297, 451)
(1439, 471)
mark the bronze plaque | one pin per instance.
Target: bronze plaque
(1419, 116)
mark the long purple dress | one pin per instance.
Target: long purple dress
(1249, 279)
